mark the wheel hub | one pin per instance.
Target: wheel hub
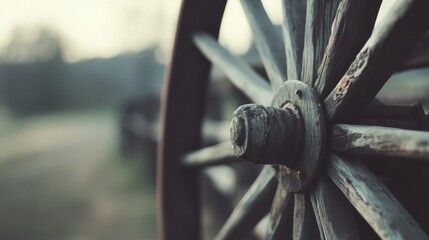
(257, 130)
(290, 134)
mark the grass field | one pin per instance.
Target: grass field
(61, 177)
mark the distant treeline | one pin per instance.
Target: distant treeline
(35, 79)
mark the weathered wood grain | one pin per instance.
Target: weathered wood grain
(304, 223)
(268, 40)
(298, 177)
(320, 15)
(257, 131)
(351, 28)
(239, 72)
(254, 205)
(210, 156)
(375, 203)
(392, 39)
(293, 34)
(281, 216)
(375, 140)
(334, 214)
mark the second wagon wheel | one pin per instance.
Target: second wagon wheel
(307, 125)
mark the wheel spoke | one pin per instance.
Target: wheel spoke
(260, 229)
(304, 225)
(390, 42)
(351, 28)
(379, 110)
(239, 72)
(373, 200)
(334, 214)
(320, 15)
(210, 156)
(268, 40)
(375, 140)
(223, 179)
(254, 205)
(411, 117)
(215, 131)
(280, 225)
(293, 34)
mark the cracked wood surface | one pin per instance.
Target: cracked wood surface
(375, 140)
(351, 28)
(293, 34)
(281, 215)
(334, 214)
(375, 203)
(392, 39)
(304, 222)
(318, 22)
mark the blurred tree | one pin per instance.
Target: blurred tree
(32, 45)
(35, 79)
(30, 73)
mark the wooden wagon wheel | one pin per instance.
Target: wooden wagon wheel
(324, 71)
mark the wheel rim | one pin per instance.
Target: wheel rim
(321, 195)
(177, 187)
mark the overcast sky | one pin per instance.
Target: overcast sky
(104, 28)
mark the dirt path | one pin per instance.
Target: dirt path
(62, 179)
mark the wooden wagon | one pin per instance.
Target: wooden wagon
(332, 153)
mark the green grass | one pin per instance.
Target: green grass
(61, 177)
